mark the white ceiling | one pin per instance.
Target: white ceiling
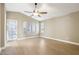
(53, 9)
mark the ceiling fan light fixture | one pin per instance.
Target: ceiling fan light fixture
(35, 14)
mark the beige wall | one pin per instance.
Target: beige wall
(20, 19)
(2, 25)
(64, 28)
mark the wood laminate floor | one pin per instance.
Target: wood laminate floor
(40, 46)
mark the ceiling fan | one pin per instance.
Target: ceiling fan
(36, 12)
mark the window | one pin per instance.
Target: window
(30, 28)
(33, 27)
(42, 27)
(25, 28)
(37, 28)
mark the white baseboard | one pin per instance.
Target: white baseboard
(27, 37)
(75, 43)
(24, 38)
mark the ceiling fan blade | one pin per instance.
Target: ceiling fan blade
(43, 12)
(28, 11)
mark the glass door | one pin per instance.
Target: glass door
(11, 30)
